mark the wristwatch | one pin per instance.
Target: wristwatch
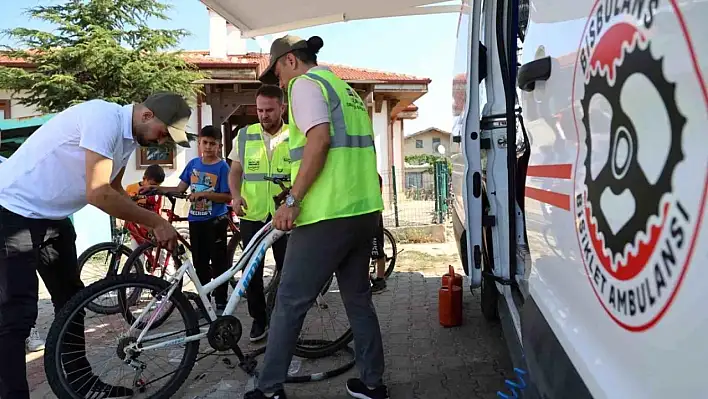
(291, 201)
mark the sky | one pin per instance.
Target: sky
(422, 46)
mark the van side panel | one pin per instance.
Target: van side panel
(616, 192)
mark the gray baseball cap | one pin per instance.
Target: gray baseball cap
(279, 48)
(173, 110)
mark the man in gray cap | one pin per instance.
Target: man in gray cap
(335, 199)
(76, 158)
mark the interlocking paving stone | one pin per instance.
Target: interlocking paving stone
(423, 359)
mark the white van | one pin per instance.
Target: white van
(588, 239)
(581, 185)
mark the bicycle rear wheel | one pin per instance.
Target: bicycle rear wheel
(67, 358)
(309, 344)
(390, 251)
(97, 262)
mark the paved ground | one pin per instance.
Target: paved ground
(423, 359)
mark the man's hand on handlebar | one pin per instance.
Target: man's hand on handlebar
(239, 204)
(166, 235)
(193, 197)
(284, 219)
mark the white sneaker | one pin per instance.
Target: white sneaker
(34, 343)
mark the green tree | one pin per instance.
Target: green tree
(101, 49)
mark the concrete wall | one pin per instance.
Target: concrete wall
(398, 160)
(16, 109)
(409, 145)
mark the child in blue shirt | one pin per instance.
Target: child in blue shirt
(207, 177)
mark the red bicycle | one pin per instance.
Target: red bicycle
(104, 259)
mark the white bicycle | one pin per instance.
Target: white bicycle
(143, 334)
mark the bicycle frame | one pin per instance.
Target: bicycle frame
(252, 256)
(141, 235)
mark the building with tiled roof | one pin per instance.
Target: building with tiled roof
(229, 99)
(202, 59)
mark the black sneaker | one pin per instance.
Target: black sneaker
(359, 390)
(258, 394)
(378, 286)
(258, 331)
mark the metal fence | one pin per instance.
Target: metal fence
(416, 196)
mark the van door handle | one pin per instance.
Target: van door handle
(534, 71)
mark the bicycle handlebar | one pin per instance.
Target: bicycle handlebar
(281, 182)
(171, 195)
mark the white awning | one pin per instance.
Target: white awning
(263, 17)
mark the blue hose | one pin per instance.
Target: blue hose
(519, 385)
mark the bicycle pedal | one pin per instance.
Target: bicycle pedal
(248, 365)
(227, 362)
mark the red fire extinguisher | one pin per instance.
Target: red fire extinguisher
(450, 300)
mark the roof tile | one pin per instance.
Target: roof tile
(202, 59)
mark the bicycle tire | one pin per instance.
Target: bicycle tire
(140, 269)
(52, 357)
(311, 349)
(392, 264)
(109, 246)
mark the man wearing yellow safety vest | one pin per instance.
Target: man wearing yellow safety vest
(333, 211)
(260, 150)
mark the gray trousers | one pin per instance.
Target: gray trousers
(315, 252)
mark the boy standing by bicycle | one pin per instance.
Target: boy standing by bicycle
(207, 177)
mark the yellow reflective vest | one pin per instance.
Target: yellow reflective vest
(348, 184)
(253, 156)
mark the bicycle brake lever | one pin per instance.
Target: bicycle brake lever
(180, 250)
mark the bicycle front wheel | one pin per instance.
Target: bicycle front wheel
(71, 366)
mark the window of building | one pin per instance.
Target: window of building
(419, 144)
(5, 109)
(436, 143)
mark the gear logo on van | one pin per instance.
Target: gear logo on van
(640, 174)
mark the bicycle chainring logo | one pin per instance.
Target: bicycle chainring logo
(639, 183)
